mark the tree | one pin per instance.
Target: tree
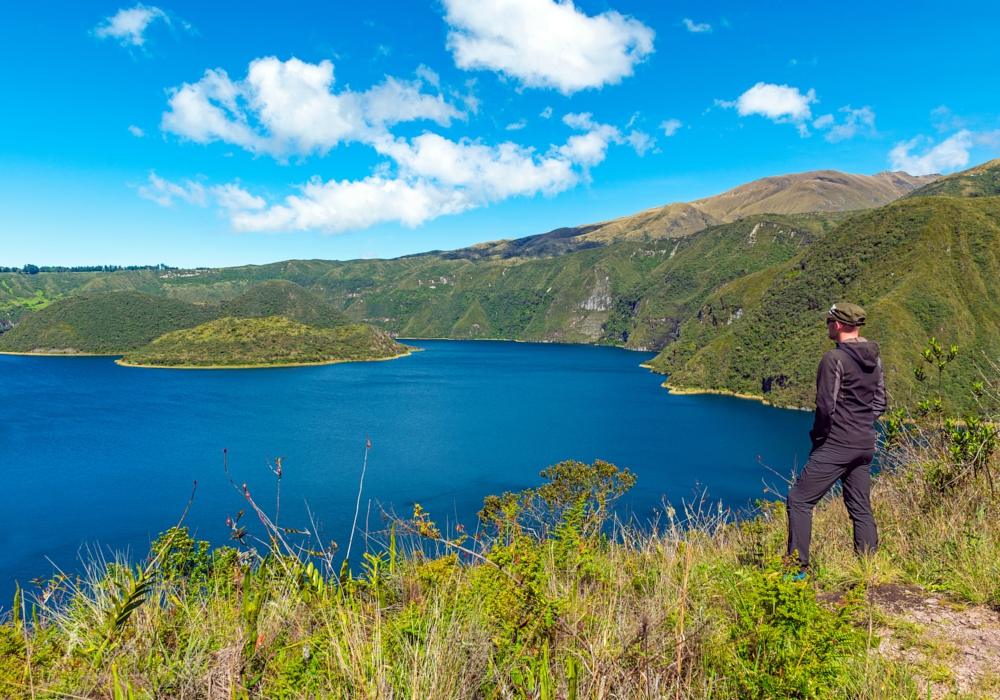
(30, 269)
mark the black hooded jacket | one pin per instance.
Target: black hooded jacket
(850, 395)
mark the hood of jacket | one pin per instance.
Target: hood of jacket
(864, 352)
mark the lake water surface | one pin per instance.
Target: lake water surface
(98, 453)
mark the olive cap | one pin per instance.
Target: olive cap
(851, 314)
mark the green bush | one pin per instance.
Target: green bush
(782, 642)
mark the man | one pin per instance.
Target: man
(850, 397)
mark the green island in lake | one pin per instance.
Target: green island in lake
(265, 342)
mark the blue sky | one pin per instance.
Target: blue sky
(231, 133)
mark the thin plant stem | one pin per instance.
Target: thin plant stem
(357, 506)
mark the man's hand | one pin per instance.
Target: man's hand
(817, 440)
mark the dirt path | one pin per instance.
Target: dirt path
(951, 647)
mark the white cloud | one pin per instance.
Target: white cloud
(696, 28)
(129, 26)
(949, 155)
(779, 103)
(824, 122)
(433, 177)
(640, 141)
(671, 126)
(856, 120)
(546, 113)
(236, 199)
(545, 43)
(136, 131)
(516, 126)
(288, 107)
(163, 191)
(428, 75)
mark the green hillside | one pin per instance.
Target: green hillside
(236, 342)
(980, 181)
(102, 323)
(284, 298)
(921, 267)
(633, 293)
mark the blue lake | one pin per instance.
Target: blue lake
(97, 453)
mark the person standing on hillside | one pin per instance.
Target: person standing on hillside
(850, 397)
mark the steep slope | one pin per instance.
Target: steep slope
(257, 342)
(921, 267)
(980, 181)
(284, 298)
(819, 190)
(651, 316)
(102, 323)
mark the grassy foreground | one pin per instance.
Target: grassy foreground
(545, 601)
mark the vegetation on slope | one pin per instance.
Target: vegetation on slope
(549, 600)
(925, 267)
(283, 298)
(980, 181)
(102, 323)
(276, 340)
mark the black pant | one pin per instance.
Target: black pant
(826, 465)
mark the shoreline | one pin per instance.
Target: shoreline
(724, 392)
(60, 354)
(273, 366)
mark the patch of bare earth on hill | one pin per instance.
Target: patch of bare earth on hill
(953, 648)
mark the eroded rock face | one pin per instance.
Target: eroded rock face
(600, 295)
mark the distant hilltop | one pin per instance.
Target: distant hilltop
(830, 191)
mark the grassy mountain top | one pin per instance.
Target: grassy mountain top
(815, 191)
(670, 221)
(102, 323)
(980, 181)
(798, 193)
(922, 268)
(284, 298)
(276, 340)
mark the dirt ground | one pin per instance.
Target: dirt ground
(953, 648)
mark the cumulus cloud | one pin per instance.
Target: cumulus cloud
(546, 43)
(285, 108)
(136, 131)
(696, 28)
(779, 103)
(546, 113)
(431, 176)
(951, 154)
(129, 26)
(164, 192)
(671, 126)
(236, 199)
(856, 121)
(516, 126)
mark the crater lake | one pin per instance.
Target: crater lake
(103, 456)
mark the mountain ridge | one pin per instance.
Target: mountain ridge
(829, 191)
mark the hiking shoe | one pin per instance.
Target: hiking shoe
(797, 578)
